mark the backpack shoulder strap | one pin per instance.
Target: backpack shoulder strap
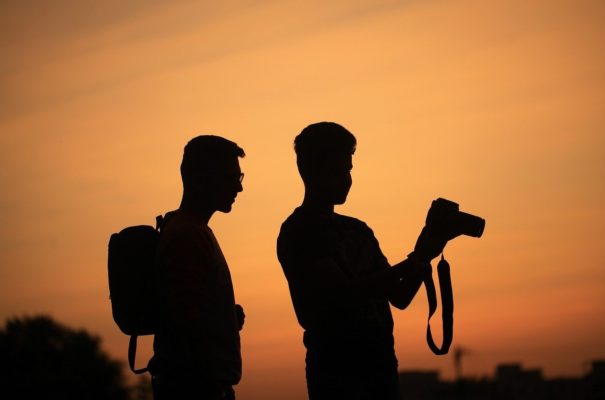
(132, 354)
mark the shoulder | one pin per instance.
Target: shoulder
(296, 224)
(291, 232)
(353, 223)
(180, 229)
(300, 236)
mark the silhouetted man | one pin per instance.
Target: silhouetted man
(340, 282)
(197, 347)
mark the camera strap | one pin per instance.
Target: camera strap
(447, 307)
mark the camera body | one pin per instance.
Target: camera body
(447, 221)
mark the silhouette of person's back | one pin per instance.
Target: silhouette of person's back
(197, 346)
(340, 282)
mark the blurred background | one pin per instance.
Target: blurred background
(496, 105)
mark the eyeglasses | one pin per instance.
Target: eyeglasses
(226, 177)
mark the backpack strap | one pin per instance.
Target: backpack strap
(132, 354)
(447, 307)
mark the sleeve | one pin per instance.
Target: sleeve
(314, 279)
(379, 261)
(297, 247)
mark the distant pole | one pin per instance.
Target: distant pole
(459, 353)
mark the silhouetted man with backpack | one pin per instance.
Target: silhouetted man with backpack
(340, 282)
(197, 345)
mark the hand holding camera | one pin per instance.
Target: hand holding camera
(428, 246)
(444, 222)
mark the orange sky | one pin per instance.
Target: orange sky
(497, 105)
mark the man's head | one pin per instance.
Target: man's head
(211, 173)
(324, 157)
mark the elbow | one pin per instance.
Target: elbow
(403, 297)
(400, 302)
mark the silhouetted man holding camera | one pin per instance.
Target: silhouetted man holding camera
(197, 346)
(340, 282)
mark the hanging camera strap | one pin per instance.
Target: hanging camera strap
(447, 307)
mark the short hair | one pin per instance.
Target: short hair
(207, 152)
(318, 144)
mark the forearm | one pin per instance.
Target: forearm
(412, 272)
(398, 284)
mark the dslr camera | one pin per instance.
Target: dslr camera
(445, 220)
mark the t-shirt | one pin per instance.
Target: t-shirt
(322, 256)
(199, 328)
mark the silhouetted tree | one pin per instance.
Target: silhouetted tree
(40, 358)
(142, 389)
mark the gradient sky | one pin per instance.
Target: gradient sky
(497, 105)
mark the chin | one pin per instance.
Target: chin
(225, 209)
(226, 206)
(340, 200)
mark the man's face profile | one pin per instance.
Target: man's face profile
(340, 178)
(222, 184)
(333, 180)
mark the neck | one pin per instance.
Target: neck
(199, 208)
(317, 204)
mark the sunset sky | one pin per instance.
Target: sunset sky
(498, 105)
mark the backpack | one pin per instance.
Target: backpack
(133, 289)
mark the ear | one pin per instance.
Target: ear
(198, 182)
